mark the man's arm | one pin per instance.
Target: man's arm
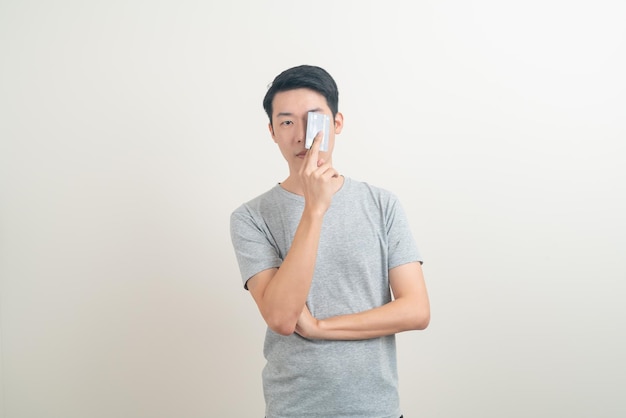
(281, 293)
(410, 310)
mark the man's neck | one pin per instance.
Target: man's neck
(294, 185)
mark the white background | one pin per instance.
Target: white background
(129, 130)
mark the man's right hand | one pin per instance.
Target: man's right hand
(281, 293)
(319, 179)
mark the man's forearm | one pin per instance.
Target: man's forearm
(394, 317)
(287, 291)
(410, 310)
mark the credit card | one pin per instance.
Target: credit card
(315, 123)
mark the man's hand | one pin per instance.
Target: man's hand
(410, 310)
(307, 326)
(281, 293)
(319, 179)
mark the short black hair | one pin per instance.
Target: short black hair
(303, 76)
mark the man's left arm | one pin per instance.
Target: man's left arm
(409, 310)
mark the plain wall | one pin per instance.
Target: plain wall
(129, 131)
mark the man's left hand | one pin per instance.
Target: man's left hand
(308, 326)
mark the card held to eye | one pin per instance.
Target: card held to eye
(315, 123)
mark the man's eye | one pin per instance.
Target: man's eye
(287, 122)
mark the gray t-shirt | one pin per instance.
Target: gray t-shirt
(364, 234)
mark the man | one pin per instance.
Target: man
(321, 255)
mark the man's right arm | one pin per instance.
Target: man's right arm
(281, 293)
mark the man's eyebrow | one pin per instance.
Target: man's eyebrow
(279, 114)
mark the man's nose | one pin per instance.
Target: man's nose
(301, 132)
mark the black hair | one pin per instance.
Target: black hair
(303, 76)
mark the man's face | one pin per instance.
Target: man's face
(288, 128)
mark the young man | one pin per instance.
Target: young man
(333, 267)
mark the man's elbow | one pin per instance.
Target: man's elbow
(422, 322)
(420, 319)
(280, 325)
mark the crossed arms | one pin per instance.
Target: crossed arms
(281, 294)
(278, 300)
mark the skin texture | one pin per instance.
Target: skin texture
(281, 294)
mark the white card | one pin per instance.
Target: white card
(315, 123)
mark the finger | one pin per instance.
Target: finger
(332, 173)
(317, 141)
(312, 154)
(327, 171)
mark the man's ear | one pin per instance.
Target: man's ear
(338, 122)
(271, 128)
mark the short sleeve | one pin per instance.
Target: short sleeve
(401, 243)
(252, 242)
